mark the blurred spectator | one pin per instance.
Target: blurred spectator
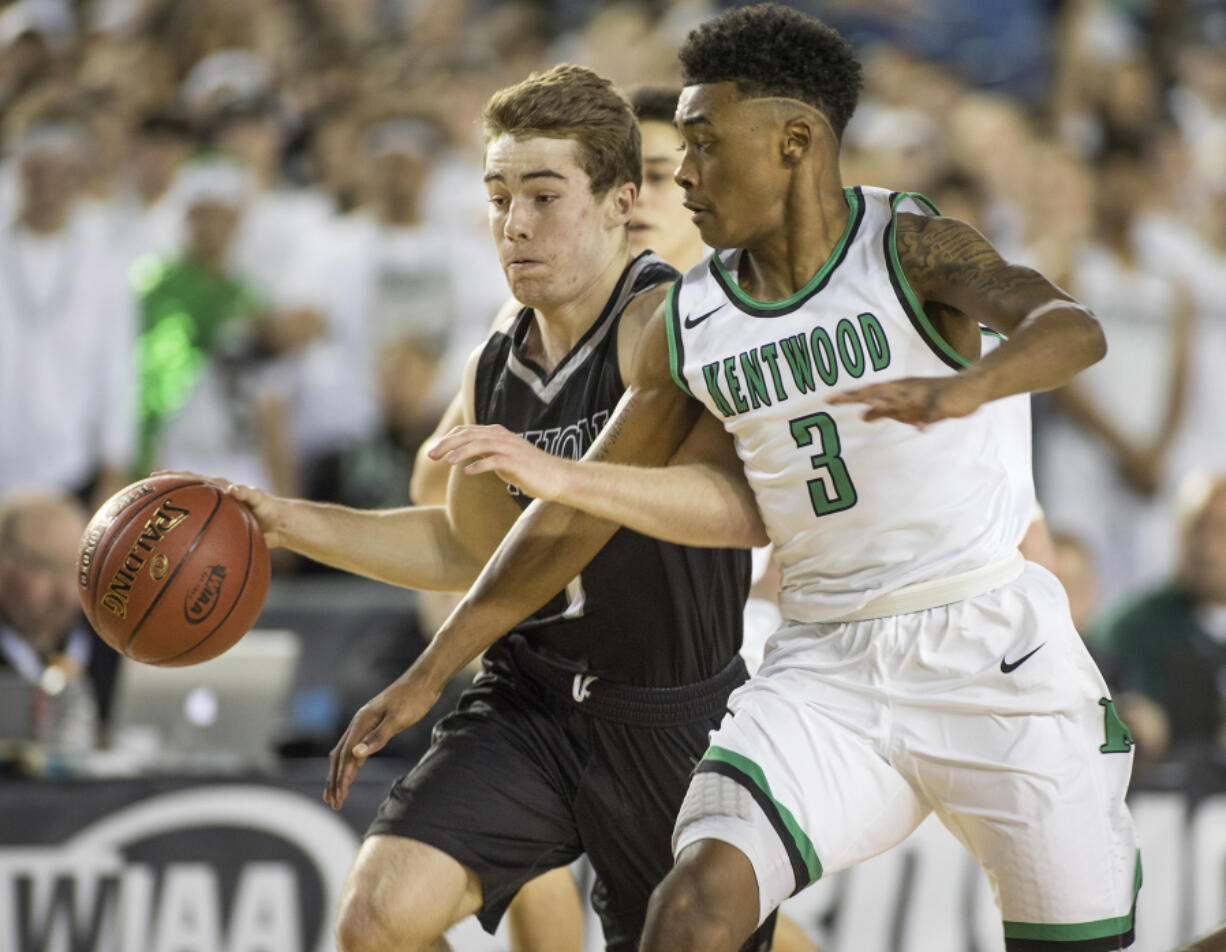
(25, 54)
(895, 145)
(1194, 249)
(1105, 466)
(278, 219)
(1170, 644)
(145, 219)
(1073, 565)
(64, 319)
(989, 138)
(43, 637)
(1198, 103)
(391, 289)
(209, 400)
(1058, 194)
(958, 196)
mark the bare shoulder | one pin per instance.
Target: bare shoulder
(947, 260)
(641, 335)
(935, 251)
(639, 311)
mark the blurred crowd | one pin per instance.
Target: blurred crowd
(247, 238)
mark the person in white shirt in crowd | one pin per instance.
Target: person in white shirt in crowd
(1105, 471)
(252, 131)
(390, 285)
(214, 392)
(44, 640)
(1198, 100)
(66, 329)
(1185, 236)
(144, 217)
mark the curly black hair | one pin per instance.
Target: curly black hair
(771, 50)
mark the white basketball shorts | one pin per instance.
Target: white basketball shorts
(988, 711)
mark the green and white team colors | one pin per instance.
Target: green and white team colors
(923, 665)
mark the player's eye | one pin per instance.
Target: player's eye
(545, 198)
(498, 201)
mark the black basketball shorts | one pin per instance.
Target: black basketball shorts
(538, 765)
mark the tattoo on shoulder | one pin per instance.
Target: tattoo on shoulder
(939, 254)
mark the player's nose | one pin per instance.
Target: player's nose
(685, 174)
(517, 225)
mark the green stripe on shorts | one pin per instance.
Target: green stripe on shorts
(1079, 931)
(800, 840)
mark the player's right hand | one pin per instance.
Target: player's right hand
(401, 704)
(494, 448)
(266, 507)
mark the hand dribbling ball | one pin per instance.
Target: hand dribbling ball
(172, 571)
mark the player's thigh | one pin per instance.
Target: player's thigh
(493, 793)
(546, 915)
(1026, 762)
(403, 891)
(799, 792)
(1048, 823)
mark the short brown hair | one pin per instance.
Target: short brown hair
(572, 102)
(654, 103)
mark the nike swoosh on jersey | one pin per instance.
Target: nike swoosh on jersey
(1008, 666)
(695, 321)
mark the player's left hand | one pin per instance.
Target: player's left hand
(483, 449)
(916, 400)
(401, 704)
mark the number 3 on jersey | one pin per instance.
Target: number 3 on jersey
(835, 492)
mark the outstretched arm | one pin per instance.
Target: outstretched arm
(701, 498)
(546, 548)
(425, 547)
(961, 281)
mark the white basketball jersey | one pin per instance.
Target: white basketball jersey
(855, 510)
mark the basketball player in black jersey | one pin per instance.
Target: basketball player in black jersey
(545, 914)
(580, 732)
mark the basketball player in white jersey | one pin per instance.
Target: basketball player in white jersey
(923, 665)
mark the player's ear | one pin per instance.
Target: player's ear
(799, 137)
(619, 204)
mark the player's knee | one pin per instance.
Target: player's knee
(691, 913)
(362, 925)
(359, 926)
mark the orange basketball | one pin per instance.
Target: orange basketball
(172, 571)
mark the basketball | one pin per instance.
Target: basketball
(172, 571)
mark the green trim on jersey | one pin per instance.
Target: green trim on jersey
(907, 296)
(1080, 931)
(675, 352)
(855, 212)
(800, 840)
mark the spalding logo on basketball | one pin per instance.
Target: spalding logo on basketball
(172, 571)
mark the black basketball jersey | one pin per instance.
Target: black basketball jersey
(643, 612)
